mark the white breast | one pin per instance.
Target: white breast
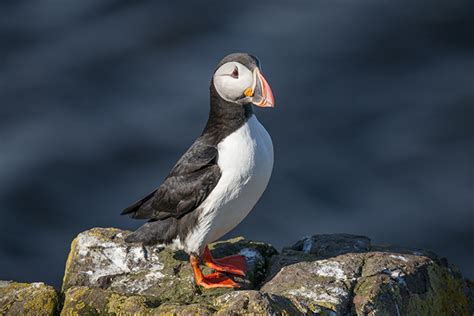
(246, 163)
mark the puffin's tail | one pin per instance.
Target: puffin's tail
(140, 209)
(155, 232)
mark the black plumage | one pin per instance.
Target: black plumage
(188, 183)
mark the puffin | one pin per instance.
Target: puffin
(218, 180)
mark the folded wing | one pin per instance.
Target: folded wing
(188, 184)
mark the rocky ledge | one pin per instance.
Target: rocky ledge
(335, 274)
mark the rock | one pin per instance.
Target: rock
(100, 258)
(255, 303)
(470, 293)
(345, 274)
(337, 274)
(325, 246)
(86, 301)
(409, 283)
(27, 299)
(318, 285)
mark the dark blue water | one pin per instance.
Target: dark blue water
(373, 127)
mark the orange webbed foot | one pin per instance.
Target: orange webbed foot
(213, 280)
(217, 280)
(235, 264)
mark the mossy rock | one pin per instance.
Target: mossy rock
(254, 303)
(409, 284)
(95, 301)
(319, 286)
(27, 299)
(346, 274)
(470, 294)
(336, 274)
(100, 258)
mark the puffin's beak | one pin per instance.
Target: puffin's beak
(261, 92)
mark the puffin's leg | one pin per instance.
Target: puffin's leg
(235, 264)
(212, 280)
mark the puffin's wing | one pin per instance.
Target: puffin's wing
(188, 184)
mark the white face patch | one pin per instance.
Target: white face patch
(231, 80)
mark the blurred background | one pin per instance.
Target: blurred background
(373, 127)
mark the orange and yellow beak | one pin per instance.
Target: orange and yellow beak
(260, 92)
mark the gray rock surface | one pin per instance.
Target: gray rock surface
(100, 258)
(345, 274)
(337, 274)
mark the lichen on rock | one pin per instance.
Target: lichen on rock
(86, 301)
(27, 299)
(318, 285)
(337, 274)
(409, 284)
(254, 303)
(101, 258)
(346, 274)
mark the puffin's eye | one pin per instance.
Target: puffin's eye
(235, 73)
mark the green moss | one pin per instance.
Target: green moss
(46, 301)
(192, 309)
(175, 283)
(251, 302)
(445, 295)
(85, 300)
(24, 298)
(105, 234)
(82, 300)
(77, 293)
(80, 305)
(120, 304)
(70, 259)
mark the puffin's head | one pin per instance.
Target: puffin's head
(238, 79)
